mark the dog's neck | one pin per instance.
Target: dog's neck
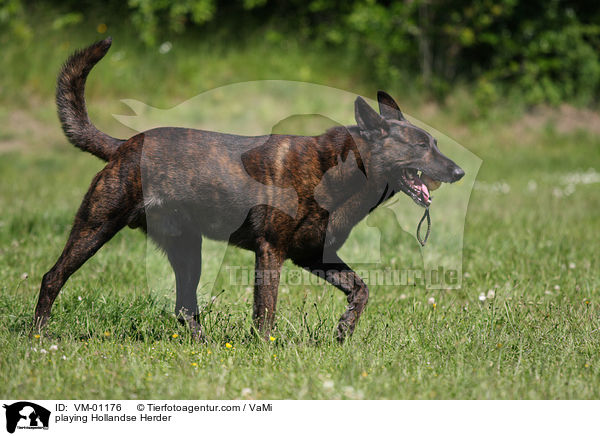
(346, 159)
(341, 143)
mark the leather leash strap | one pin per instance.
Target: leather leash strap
(425, 215)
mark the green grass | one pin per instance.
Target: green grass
(116, 336)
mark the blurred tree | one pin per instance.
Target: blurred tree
(545, 50)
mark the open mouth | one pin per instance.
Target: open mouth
(418, 186)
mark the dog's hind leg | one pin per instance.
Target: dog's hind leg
(104, 211)
(342, 277)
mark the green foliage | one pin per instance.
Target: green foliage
(12, 19)
(147, 15)
(549, 59)
(540, 50)
(546, 51)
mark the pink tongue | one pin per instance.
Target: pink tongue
(424, 191)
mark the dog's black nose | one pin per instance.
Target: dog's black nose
(457, 174)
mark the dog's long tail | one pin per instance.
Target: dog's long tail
(71, 103)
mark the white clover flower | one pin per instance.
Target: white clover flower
(482, 297)
(165, 47)
(431, 301)
(53, 347)
(532, 186)
(491, 294)
(348, 391)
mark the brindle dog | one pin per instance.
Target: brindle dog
(281, 196)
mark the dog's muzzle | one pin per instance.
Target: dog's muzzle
(418, 186)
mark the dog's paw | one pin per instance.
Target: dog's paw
(346, 325)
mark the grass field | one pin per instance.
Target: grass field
(531, 235)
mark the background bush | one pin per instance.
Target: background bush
(540, 50)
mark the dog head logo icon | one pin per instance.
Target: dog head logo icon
(26, 415)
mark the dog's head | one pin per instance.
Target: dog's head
(405, 154)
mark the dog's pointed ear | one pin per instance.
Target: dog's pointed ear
(388, 108)
(369, 121)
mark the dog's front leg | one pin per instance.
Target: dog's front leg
(269, 261)
(344, 278)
